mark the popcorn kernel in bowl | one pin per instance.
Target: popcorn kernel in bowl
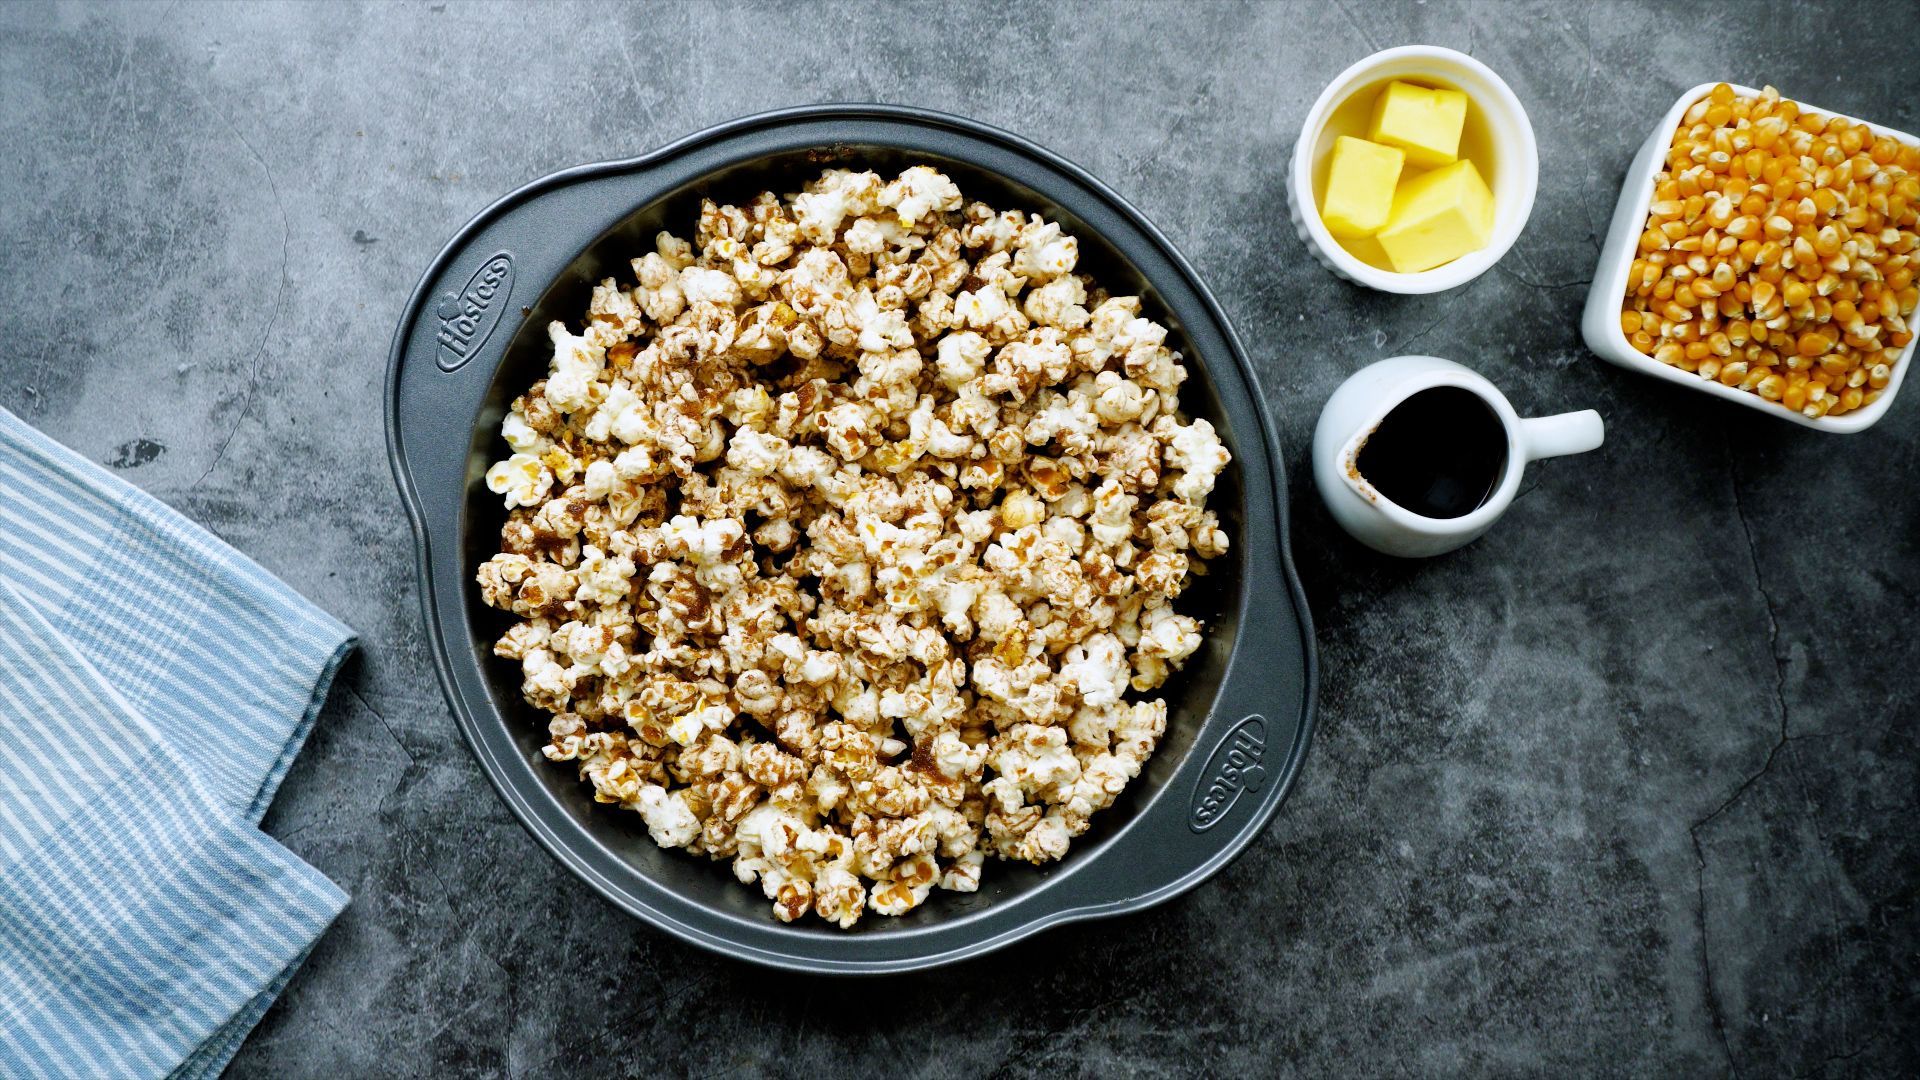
(843, 544)
(1779, 254)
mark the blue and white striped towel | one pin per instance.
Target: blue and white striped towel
(155, 685)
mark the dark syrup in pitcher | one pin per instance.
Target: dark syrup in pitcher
(1439, 453)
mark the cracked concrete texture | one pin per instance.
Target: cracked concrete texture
(1627, 787)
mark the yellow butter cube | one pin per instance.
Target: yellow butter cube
(1437, 217)
(1424, 123)
(1360, 182)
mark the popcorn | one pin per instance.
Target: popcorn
(576, 362)
(1196, 451)
(670, 821)
(962, 357)
(1097, 668)
(756, 454)
(709, 287)
(604, 579)
(844, 543)
(520, 435)
(1044, 254)
(919, 191)
(522, 478)
(658, 293)
(1058, 303)
(827, 201)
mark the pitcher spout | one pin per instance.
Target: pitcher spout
(1349, 466)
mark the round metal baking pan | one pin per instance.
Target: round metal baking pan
(472, 337)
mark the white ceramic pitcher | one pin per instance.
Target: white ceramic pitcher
(1365, 399)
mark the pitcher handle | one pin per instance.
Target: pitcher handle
(1556, 436)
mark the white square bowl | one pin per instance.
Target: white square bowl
(1601, 323)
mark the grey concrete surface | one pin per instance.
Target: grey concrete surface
(1628, 787)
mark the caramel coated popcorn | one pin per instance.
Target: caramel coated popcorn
(844, 541)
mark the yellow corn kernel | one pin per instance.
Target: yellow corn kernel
(1779, 253)
(1813, 343)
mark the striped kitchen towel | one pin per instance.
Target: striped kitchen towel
(155, 685)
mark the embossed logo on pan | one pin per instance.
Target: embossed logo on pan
(467, 318)
(1234, 767)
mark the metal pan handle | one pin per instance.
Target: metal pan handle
(1228, 788)
(472, 302)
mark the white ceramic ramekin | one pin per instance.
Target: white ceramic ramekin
(1516, 172)
(1601, 323)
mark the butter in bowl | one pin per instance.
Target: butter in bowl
(1403, 198)
(1414, 172)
